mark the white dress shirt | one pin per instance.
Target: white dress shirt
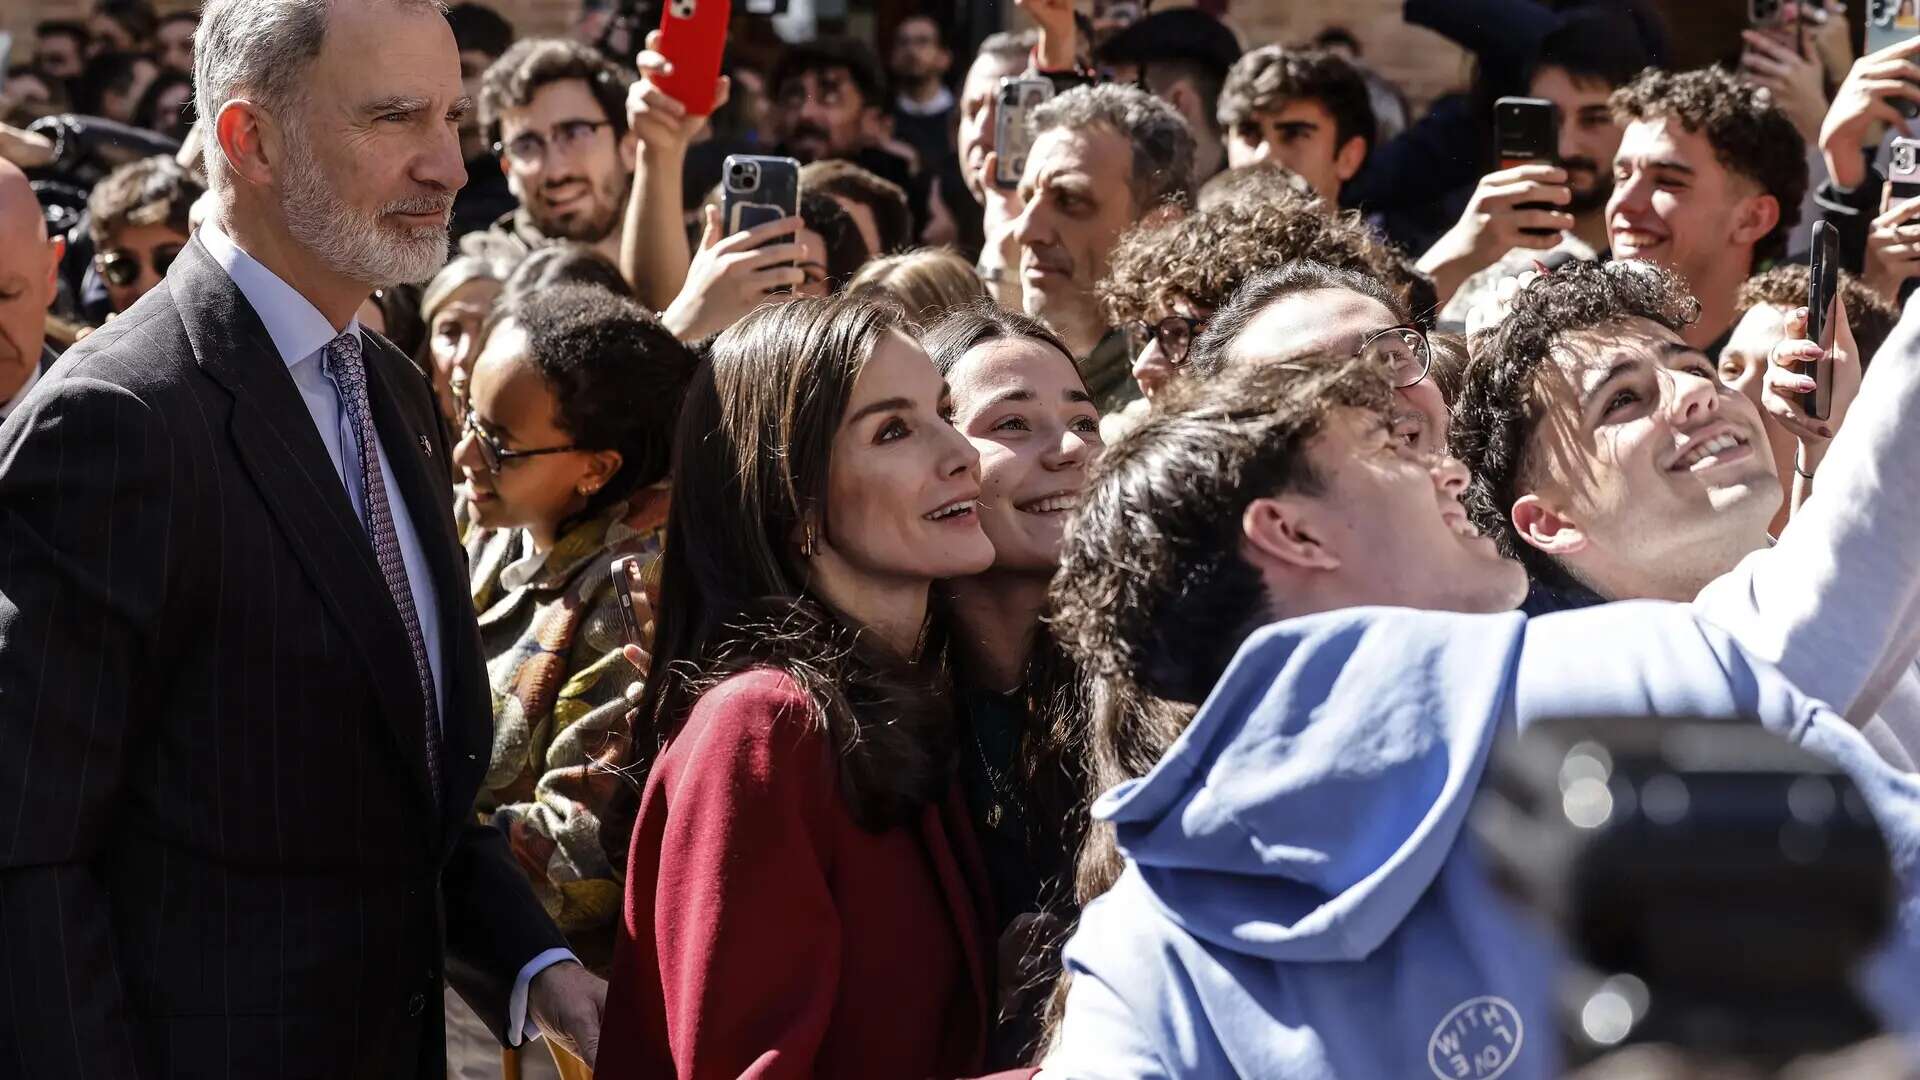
(300, 333)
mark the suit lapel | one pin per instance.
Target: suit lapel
(404, 416)
(276, 441)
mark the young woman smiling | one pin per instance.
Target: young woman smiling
(804, 896)
(563, 465)
(1019, 399)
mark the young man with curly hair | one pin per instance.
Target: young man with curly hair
(1707, 183)
(1612, 461)
(1307, 109)
(1168, 278)
(1253, 550)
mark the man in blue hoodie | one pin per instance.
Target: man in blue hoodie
(1296, 901)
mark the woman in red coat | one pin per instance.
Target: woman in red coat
(804, 896)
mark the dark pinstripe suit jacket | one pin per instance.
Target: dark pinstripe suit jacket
(219, 851)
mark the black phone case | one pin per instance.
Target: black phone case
(623, 601)
(1824, 272)
(1520, 146)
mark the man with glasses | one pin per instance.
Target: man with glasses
(555, 112)
(1167, 279)
(137, 219)
(1307, 309)
(828, 103)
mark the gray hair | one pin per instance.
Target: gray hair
(260, 48)
(1162, 142)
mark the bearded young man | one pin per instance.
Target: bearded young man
(555, 112)
(246, 705)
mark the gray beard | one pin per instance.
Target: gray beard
(351, 242)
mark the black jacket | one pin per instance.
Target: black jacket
(219, 852)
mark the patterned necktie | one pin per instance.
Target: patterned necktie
(349, 371)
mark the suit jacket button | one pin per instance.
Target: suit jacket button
(416, 1004)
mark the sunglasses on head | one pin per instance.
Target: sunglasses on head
(122, 268)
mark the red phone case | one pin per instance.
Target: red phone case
(693, 35)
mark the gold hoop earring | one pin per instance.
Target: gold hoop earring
(809, 545)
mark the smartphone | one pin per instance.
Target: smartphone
(1526, 131)
(1772, 15)
(1903, 168)
(1890, 22)
(693, 34)
(1822, 315)
(1012, 138)
(628, 574)
(755, 190)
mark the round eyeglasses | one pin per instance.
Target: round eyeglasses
(1402, 350)
(496, 456)
(1175, 333)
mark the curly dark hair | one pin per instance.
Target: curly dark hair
(1870, 315)
(1267, 78)
(616, 374)
(1152, 588)
(1501, 403)
(1206, 256)
(513, 80)
(1749, 133)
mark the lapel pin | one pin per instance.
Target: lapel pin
(426, 447)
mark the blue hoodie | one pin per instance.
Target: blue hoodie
(1295, 904)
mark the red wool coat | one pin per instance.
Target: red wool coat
(767, 935)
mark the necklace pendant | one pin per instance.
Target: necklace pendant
(994, 814)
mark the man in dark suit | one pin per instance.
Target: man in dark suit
(29, 279)
(242, 701)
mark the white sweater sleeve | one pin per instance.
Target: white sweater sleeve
(1836, 603)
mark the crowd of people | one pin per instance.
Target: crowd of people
(458, 592)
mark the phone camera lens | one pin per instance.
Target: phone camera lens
(1904, 158)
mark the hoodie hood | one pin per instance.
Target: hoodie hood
(1320, 788)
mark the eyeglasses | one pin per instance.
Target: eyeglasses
(1402, 350)
(1175, 333)
(530, 147)
(497, 457)
(122, 268)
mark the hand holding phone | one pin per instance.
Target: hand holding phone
(1823, 294)
(693, 37)
(1012, 135)
(636, 610)
(1527, 132)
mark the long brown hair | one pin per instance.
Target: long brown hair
(1051, 762)
(750, 461)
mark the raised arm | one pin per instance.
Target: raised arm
(653, 241)
(1836, 603)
